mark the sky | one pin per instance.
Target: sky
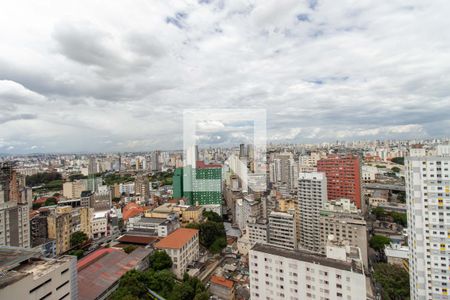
(117, 75)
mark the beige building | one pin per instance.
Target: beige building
(283, 229)
(26, 276)
(59, 224)
(86, 216)
(351, 228)
(183, 247)
(192, 214)
(73, 189)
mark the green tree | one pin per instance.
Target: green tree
(399, 218)
(398, 160)
(129, 249)
(395, 169)
(394, 281)
(218, 245)
(377, 242)
(212, 216)
(210, 232)
(379, 213)
(50, 201)
(78, 238)
(160, 260)
(78, 253)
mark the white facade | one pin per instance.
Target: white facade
(277, 273)
(100, 224)
(428, 201)
(312, 196)
(257, 231)
(14, 224)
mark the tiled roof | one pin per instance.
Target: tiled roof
(101, 274)
(131, 210)
(177, 239)
(137, 239)
(222, 281)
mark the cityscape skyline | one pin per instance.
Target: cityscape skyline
(86, 77)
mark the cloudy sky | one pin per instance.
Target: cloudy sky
(117, 75)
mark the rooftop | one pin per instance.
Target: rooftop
(101, 273)
(137, 239)
(177, 239)
(306, 256)
(219, 280)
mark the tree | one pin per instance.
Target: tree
(129, 249)
(50, 201)
(399, 218)
(210, 232)
(395, 169)
(379, 212)
(78, 253)
(394, 281)
(377, 242)
(212, 216)
(78, 238)
(398, 160)
(42, 178)
(218, 245)
(160, 260)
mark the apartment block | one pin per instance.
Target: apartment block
(183, 247)
(428, 201)
(283, 229)
(343, 174)
(59, 226)
(277, 273)
(312, 195)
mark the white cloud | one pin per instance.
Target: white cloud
(103, 76)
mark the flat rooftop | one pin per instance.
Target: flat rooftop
(12, 257)
(306, 256)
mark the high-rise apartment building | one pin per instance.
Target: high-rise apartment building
(14, 213)
(312, 195)
(343, 174)
(201, 185)
(428, 200)
(277, 273)
(59, 226)
(283, 229)
(73, 189)
(142, 186)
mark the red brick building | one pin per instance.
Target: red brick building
(343, 177)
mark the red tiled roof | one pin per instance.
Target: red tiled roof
(222, 281)
(177, 239)
(94, 256)
(131, 210)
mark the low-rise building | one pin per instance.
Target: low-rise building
(183, 247)
(222, 288)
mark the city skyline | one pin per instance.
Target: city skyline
(94, 77)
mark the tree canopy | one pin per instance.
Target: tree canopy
(398, 160)
(78, 238)
(160, 260)
(394, 281)
(136, 284)
(42, 178)
(50, 201)
(377, 242)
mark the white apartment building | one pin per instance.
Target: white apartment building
(183, 247)
(277, 273)
(25, 276)
(245, 209)
(73, 189)
(100, 224)
(14, 224)
(312, 196)
(428, 201)
(283, 229)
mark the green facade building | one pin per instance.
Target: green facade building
(205, 189)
